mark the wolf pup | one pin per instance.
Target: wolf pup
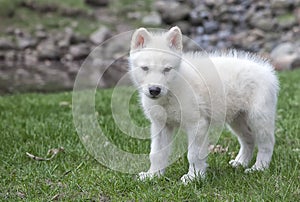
(178, 89)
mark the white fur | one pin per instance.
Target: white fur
(190, 90)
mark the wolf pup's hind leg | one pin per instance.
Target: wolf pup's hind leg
(262, 122)
(246, 139)
(263, 126)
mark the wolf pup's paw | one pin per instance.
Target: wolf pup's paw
(145, 175)
(187, 178)
(236, 164)
(252, 170)
(256, 168)
(148, 175)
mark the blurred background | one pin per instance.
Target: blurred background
(44, 42)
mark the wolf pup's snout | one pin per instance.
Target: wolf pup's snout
(154, 90)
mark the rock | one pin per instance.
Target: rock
(2, 55)
(263, 23)
(110, 60)
(26, 42)
(47, 50)
(114, 49)
(211, 3)
(297, 14)
(67, 38)
(284, 62)
(124, 27)
(40, 34)
(100, 35)
(262, 20)
(79, 51)
(204, 42)
(72, 12)
(97, 2)
(39, 27)
(224, 34)
(10, 56)
(64, 43)
(112, 72)
(134, 15)
(190, 45)
(296, 63)
(10, 30)
(184, 26)
(259, 34)
(198, 14)
(30, 59)
(72, 68)
(286, 21)
(54, 78)
(281, 7)
(23, 76)
(222, 10)
(153, 19)
(247, 40)
(280, 4)
(283, 49)
(237, 39)
(210, 27)
(172, 11)
(200, 30)
(6, 44)
(76, 38)
(283, 56)
(221, 45)
(18, 32)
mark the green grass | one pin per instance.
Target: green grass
(131, 5)
(286, 18)
(68, 3)
(36, 122)
(13, 15)
(16, 16)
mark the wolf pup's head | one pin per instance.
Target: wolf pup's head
(154, 59)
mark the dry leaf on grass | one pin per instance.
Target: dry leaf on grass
(296, 150)
(55, 197)
(232, 154)
(217, 149)
(65, 104)
(52, 152)
(21, 195)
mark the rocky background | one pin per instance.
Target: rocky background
(43, 45)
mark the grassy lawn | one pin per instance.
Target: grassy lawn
(35, 123)
(12, 14)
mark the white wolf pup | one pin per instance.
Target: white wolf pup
(191, 90)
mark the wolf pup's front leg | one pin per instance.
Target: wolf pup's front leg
(161, 137)
(197, 150)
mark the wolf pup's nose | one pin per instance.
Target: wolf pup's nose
(154, 90)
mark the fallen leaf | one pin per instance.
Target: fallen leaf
(64, 104)
(55, 197)
(52, 152)
(21, 195)
(217, 149)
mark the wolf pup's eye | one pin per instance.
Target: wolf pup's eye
(167, 69)
(145, 68)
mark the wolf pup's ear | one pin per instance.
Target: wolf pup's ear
(140, 38)
(174, 37)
